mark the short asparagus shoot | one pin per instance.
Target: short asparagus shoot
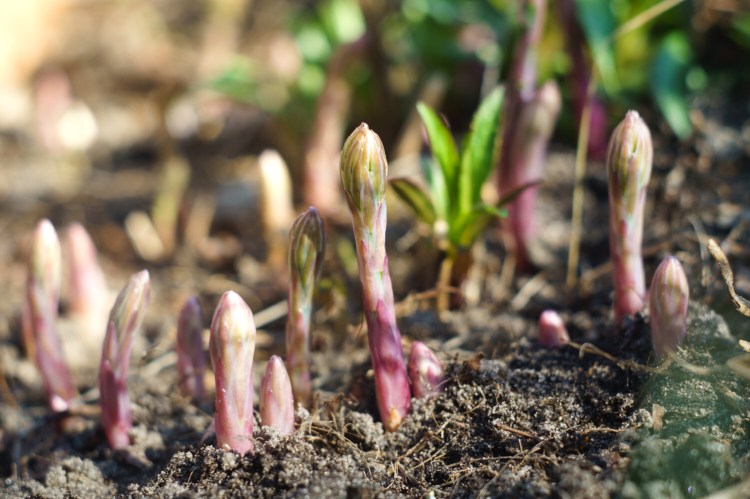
(668, 305)
(629, 157)
(276, 399)
(191, 357)
(364, 170)
(552, 330)
(87, 292)
(306, 250)
(124, 322)
(232, 346)
(40, 333)
(425, 371)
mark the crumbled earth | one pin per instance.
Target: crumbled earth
(514, 419)
(527, 423)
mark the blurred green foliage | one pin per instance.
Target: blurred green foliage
(663, 62)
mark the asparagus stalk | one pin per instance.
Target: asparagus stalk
(232, 346)
(39, 317)
(191, 358)
(425, 371)
(629, 158)
(87, 292)
(364, 170)
(668, 304)
(528, 137)
(306, 250)
(124, 322)
(552, 331)
(276, 400)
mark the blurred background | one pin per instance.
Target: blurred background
(160, 107)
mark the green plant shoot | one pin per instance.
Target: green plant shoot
(452, 204)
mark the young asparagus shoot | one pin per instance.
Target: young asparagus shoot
(191, 358)
(668, 304)
(40, 317)
(425, 371)
(124, 322)
(306, 250)
(629, 157)
(87, 292)
(364, 170)
(276, 400)
(232, 346)
(523, 162)
(552, 331)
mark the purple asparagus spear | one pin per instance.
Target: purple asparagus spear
(306, 249)
(276, 400)
(232, 346)
(124, 321)
(629, 158)
(191, 358)
(668, 304)
(364, 171)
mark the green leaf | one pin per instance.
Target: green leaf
(469, 225)
(442, 145)
(668, 72)
(598, 24)
(478, 155)
(416, 198)
(438, 189)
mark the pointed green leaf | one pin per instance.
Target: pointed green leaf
(469, 225)
(442, 144)
(478, 154)
(438, 189)
(415, 197)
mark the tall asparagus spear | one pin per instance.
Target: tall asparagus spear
(191, 357)
(364, 170)
(306, 249)
(124, 321)
(629, 158)
(40, 335)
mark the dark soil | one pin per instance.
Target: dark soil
(514, 420)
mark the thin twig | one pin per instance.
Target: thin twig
(515, 431)
(576, 218)
(743, 305)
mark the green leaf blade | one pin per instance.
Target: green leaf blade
(478, 155)
(442, 144)
(415, 198)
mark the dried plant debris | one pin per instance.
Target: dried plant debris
(530, 423)
(742, 304)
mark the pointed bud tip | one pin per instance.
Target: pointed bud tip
(364, 169)
(631, 139)
(668, 305)
(425, 370)
(552, 331)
